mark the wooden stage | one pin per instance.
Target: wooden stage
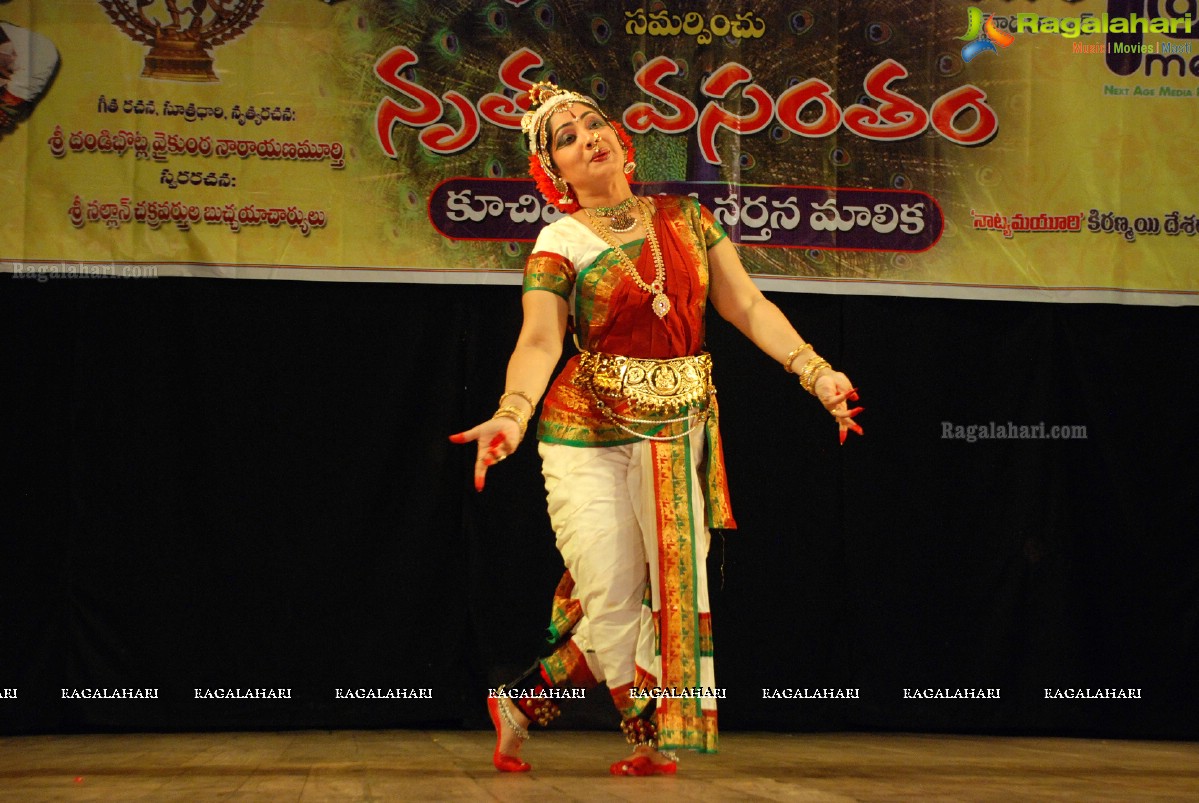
(455, 765)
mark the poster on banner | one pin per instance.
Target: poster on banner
(993, 149)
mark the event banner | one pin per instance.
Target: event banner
(996, 149)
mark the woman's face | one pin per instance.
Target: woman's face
(582, 145)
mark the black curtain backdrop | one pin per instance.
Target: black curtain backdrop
(247, 484)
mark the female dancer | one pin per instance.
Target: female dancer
(629, 434)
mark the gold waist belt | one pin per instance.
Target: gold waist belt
(652, 387)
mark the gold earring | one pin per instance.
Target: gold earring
(562, 187)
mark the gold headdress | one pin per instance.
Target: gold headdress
(545, 99)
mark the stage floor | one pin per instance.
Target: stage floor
(444, 765)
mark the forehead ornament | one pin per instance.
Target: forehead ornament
(545, 100)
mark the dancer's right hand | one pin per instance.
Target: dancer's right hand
(496, 438)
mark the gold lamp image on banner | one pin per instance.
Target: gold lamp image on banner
(182, 33)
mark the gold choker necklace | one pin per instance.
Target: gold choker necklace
(619, 219)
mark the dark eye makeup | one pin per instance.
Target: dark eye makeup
(566, 136)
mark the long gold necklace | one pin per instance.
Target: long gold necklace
(660, 304)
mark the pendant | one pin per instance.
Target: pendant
(621, 222)
(660, 305)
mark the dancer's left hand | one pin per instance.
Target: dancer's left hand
(835, 391)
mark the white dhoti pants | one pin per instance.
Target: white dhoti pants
(606, 507)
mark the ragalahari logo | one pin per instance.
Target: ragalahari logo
(982, 35)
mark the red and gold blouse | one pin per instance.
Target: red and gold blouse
(611, 314)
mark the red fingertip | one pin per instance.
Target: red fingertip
(855, 411)
(478, 483)
(841, 435)
(458, 438)
(853, 394)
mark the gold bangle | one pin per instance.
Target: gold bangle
(516, 414)
(795, 352)
(813, 377)
(511, 412)
(520, 393)
(807, 369)
(807, 375)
